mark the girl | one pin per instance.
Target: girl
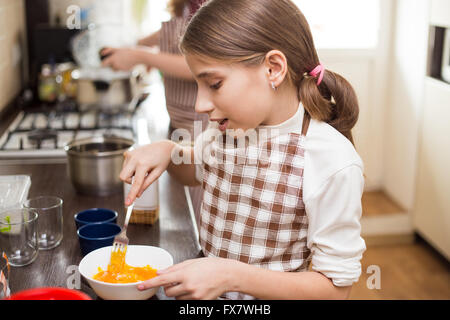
(281, 219)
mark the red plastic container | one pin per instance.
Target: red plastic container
(50, 294)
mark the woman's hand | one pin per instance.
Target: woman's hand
(121, 58)
(146, 164)
(199, 279)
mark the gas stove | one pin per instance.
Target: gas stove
(40, 134)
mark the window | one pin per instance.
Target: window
(343, 24)
(335, 24)
(155, 13)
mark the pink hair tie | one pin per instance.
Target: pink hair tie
(320, 69)
(194, 5)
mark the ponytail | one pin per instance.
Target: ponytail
(333, 101)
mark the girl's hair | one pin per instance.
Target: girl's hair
(244, 31)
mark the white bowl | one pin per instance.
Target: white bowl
(137, 256)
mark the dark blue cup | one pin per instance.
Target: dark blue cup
(95, 215)
(97, 235)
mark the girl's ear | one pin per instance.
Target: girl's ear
(276, 66)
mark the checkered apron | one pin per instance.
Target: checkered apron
(252, 208)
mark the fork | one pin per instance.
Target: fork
(121, 240)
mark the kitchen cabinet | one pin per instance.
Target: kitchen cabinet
(440, 13)
(431, 217)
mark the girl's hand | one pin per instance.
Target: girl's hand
(146, 164)
(199, 279)
(121, 58)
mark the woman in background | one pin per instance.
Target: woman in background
(180, 87)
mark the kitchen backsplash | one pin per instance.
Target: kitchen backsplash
(12, 50)
(97, 11)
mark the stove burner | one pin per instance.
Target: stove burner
(36, 137)
(44, 129)
(66, 106)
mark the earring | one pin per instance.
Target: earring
(272, 84)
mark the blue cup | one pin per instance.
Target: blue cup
(97, 235)
(95, 215)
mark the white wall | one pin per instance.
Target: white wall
(367, 71)
(359, 69)
(389, 82)
(13, 50)
(404, 109)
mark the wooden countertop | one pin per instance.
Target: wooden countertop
(174, 231)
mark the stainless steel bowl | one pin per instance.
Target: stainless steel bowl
(94, 164)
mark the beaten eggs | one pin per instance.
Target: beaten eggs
(120, 272)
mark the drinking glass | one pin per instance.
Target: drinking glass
(18, 236)
(50, 221)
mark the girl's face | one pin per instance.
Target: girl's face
(234, 95)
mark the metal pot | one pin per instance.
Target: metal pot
(98, 85)
(104, 87)
(94, 164)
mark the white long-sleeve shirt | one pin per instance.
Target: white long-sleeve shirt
(333, 184)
